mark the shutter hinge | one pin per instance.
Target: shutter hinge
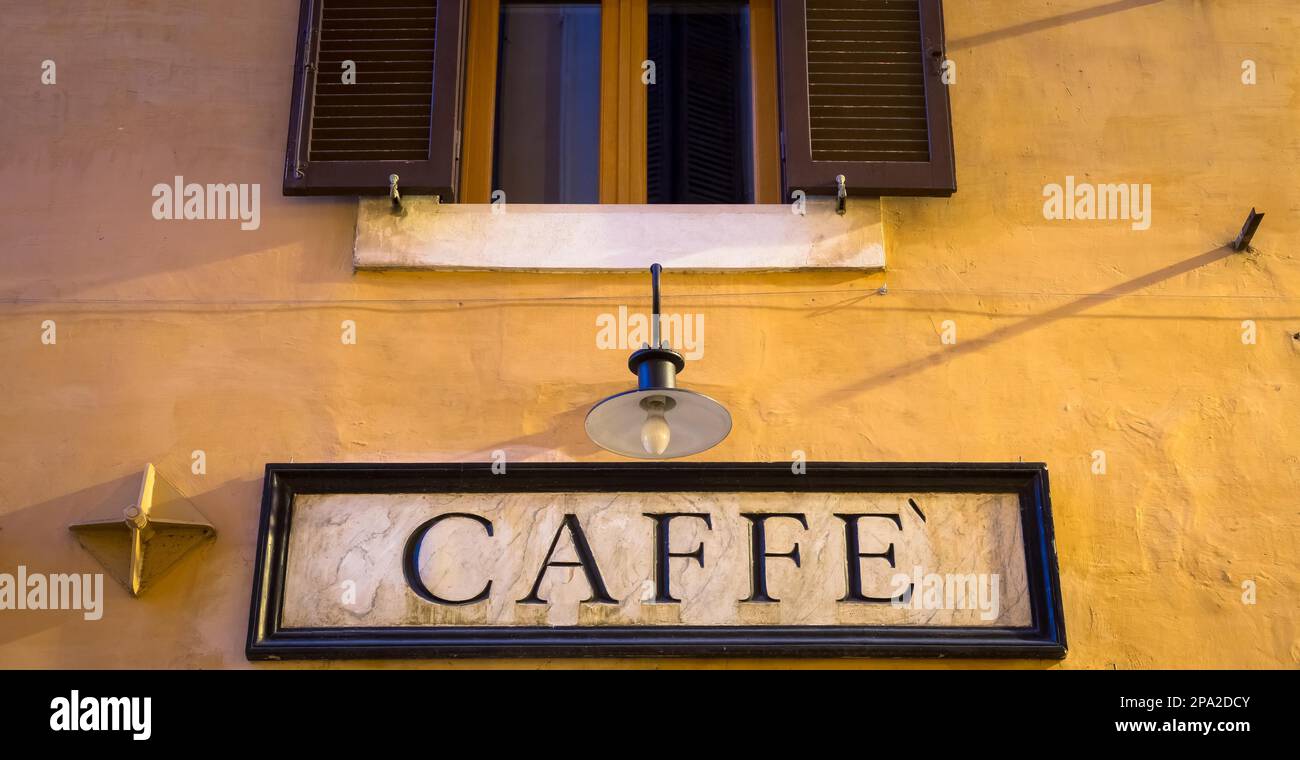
(937, 57)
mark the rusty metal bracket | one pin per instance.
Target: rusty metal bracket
(1242, 243)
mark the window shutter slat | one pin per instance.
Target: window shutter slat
(862, 96)
(400, 115)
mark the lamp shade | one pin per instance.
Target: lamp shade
(695, 423)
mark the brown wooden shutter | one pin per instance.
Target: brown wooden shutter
(862, 96)
(400, 116)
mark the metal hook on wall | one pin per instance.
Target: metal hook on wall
(841, 195)
(394, 194)
(1242, 241)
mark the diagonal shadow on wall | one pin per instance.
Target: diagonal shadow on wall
(1031, 323)
(1029, 27)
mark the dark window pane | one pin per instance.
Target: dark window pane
(548, 103)
(699, 135)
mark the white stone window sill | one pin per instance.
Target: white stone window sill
(538, 237)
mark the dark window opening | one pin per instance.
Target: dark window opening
(547, 132)
(699, 135)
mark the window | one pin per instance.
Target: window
(547, 121)
(692, 128)
(620, 101)
(699, 126)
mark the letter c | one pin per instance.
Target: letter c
(411, 560)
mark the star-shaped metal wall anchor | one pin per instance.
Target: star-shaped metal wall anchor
(136, 545)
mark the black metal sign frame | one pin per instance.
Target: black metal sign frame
(269, 640)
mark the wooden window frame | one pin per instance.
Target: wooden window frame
(478, 125)
(764, 68)
(936, 177)
(623, 108)
(436, 175)
(624, 42)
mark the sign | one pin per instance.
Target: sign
(633, 559)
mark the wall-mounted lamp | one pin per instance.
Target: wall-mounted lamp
(658, 420)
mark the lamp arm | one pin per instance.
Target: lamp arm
(655, 270)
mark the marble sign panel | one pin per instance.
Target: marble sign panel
(950, 560)
(411, 560)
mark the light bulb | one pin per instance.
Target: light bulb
(655, 433)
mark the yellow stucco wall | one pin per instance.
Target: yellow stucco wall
(1072, 336)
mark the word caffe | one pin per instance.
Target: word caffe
(760, 554)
